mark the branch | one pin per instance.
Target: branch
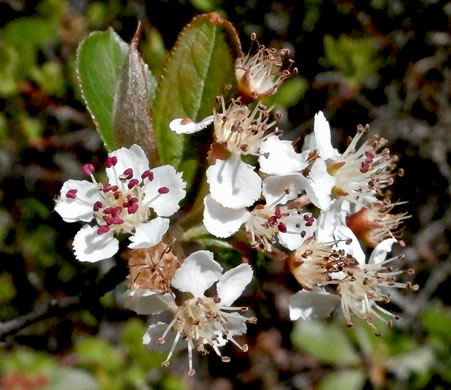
(60, 307)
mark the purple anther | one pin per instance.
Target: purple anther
(111, 161)
(88, 169)
(71, 194)
(108, 220)
(103, 229)
(277, 212)
(97, 206)
(163, 190)
(147, 174)
(310, 221)
(132, 183)
(116, 211)
(108, 210)
(133, 200)
(369, 155)
(133, 208)
(117, 221)
(272, 220)
(128, 173)
(282, 227)
(365, 167)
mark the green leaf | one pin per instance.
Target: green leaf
(197, 69)
(100, 60)
(31, 31)
(94, 351)
(343, 380)
(328, 343)
(68, 378)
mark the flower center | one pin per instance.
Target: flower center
(314, 263)
(362, 290)
(363, 171)
(261, 74)
(202, 321)
(240, 129)
(265, 222)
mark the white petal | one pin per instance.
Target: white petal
(282, 189)
(328, 222)
(198, 272)
(236, 324)
(165, 204)
(319, 185)
(293, 238)
(154, 332)
(149, 234)
(188, 126)
(308, 305)
(234, 183)
(221, 221)
(91, 247)
(323, 137)
(134, 158)
(343, 233)
(233, 282)
(380, 252)
(80, 208)
(147, 302)
(279, 157)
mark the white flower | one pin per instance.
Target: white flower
(361, 289)
(199, 320)
(360, 174)
(262, 73)
(239, 131)
(264, 223)
(125, 205)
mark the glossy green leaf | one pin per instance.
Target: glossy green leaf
(328, 343)
(100, 60)
(197, 69)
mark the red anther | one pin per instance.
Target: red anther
(128, 173)
(365, 167)
(110, 188)
(310, 221)
(147, 174)
(277, 212)
(103, 229)
(163, 190)
(369, 155)
(133, 208)
(71, 194)
(108, 220)
(88, 169)
(272, 220)
(116, 211)
(117, 194)
(117, 221)
(133, 200)
(132, 183)
(108, 210)
(111, 161)
(97, 206)
(282, 227)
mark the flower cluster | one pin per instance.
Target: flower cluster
(310, 207)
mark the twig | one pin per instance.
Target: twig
(59, 307)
